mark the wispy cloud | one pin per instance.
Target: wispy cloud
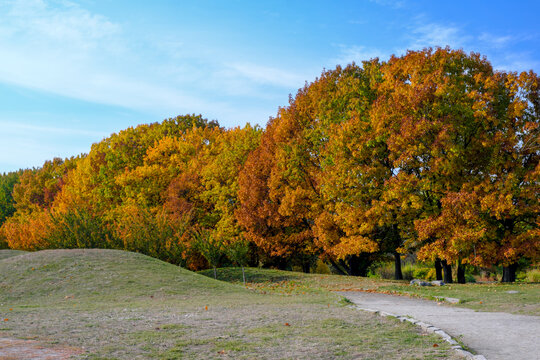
(269, 75)
(396, 4)
(521, 61)
(71, 52)
(495, 41)
(67, 50)
(433, 35)
(20, 129)
(24, 145)
(357, 54)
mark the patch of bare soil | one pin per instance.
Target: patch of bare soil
(15, 349)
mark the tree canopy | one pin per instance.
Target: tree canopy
(433, 153)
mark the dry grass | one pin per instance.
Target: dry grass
(477, 296)
(119, 305)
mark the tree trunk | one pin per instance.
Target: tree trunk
(460, 273)
(337, 267)
(509, 273)
(447, 270)
(243, 275)
(398, 275)
(438, 269)
(306, 266)
(215, 273)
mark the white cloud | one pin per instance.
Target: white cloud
(269, 75)
(357, 54)
(521, 61)
(496, 41)
(25, 146)
(61, 48)
(433, 35)
(15, 129)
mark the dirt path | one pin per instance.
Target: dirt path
(493, 334)
(15, 349)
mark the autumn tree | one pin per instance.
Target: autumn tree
(33, 197)
(446, 114)
(496, 220)
(192, 180)
(284, 189)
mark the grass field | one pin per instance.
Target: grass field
(119, 305)
(482, 297)
(4, 254)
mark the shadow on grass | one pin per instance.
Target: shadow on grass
(253, 275)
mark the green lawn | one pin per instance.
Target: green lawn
(120, 305)
(482, 297)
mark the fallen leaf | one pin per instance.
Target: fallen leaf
(6, 319)
(435, 345)
(206, 308)
(222, 352)
(287, 324)
(10, 309)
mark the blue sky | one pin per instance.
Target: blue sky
(72, 72)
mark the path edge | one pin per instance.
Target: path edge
(429, 329)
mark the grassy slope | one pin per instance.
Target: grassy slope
(482, 297)
(128, 306)
(4, 254)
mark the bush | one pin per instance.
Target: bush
(409, 271)
(384, 271)
(3, 242)
(533, 276)
(322, 268)
(79, 229)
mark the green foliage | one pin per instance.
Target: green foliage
(531, 276)
(210, 246)
(3, 242)
(410, 271)
(237, 251)
(156, 235)
(80, 229)
(7, 183)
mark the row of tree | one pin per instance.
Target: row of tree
(432, 153)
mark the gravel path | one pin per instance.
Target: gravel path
(493, 334)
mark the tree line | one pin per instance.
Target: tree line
(433, 153)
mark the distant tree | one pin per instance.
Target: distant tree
(7, 183)
(237, 251)
(210, 246)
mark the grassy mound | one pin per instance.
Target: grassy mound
(114, 304)
(91, 275)
(4, 254)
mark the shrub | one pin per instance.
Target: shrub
(322, 268)
(384, 271)
(533, 275)
(79, 229)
